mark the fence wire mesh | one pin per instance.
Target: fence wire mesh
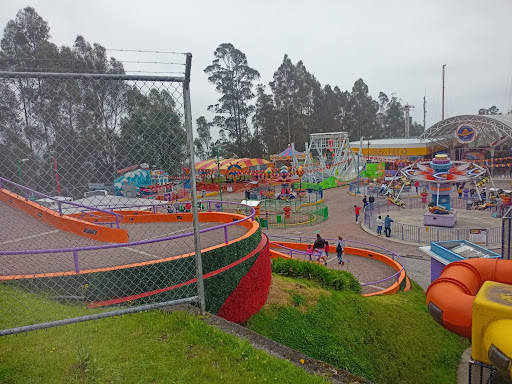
(91, 173)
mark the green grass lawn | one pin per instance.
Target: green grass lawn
(386, 339)
(148, 347)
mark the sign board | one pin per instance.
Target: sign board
(466, 133)
(478, 236)
(251, 203)
(96, 186)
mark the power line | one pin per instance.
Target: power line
(121, 61)
(142, 51)
(86, 70)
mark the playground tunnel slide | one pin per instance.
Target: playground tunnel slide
(473, 299)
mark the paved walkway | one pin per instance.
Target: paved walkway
(19, 232)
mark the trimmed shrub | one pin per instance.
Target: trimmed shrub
(328, 278)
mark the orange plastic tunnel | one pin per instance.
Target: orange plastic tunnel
(450, 298)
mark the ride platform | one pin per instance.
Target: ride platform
(447, 220)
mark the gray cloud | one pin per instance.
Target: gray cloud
(395, 46)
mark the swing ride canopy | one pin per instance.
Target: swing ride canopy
(287, 154)
(245, 163)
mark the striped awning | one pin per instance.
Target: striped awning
(288, 154)
(210, 165)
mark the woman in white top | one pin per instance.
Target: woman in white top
(380, 223)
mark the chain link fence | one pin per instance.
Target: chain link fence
(87, 225)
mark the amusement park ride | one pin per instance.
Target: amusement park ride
(441, 173)
(335, 157)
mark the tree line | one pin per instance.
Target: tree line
(89, 128)
(257, 121)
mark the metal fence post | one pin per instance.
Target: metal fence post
(75, 259)
(191, 149)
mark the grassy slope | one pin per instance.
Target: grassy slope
(386, 339)
(150, 347)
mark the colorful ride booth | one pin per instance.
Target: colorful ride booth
(140, 181)
(234, 175)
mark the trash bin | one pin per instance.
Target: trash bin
(468, 205)
(278, 219)
(264, 222)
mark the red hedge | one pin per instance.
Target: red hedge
(252, 291)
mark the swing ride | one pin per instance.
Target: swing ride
(441, 173)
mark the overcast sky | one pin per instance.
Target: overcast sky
(395, 46)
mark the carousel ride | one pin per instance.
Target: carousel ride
(441, 173)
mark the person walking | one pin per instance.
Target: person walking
(387, 225)
(340, 247)
(459, 191)
(357, 210)
(417, 185)
(365, 201)
(319, 247)
(380, 223)
(326, 248)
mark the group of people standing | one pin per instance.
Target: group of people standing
(367, 202)
(320, 249)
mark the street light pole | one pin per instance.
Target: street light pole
(218, 170)
(358, 155)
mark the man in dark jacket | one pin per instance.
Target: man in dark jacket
(387, 225)
(319, 245)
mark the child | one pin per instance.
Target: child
(309, 251)
(326, 248)
(357, 210)
(460, 192)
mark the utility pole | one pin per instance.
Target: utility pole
(407, 108)
(442, 113)
(424, 113)
(289, 132)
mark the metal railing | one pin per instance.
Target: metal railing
(424, 234)
(61, 204)
(292, 252)
(75, 252)
(272, 213)
(365, 189)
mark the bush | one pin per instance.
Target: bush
(328, 278)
